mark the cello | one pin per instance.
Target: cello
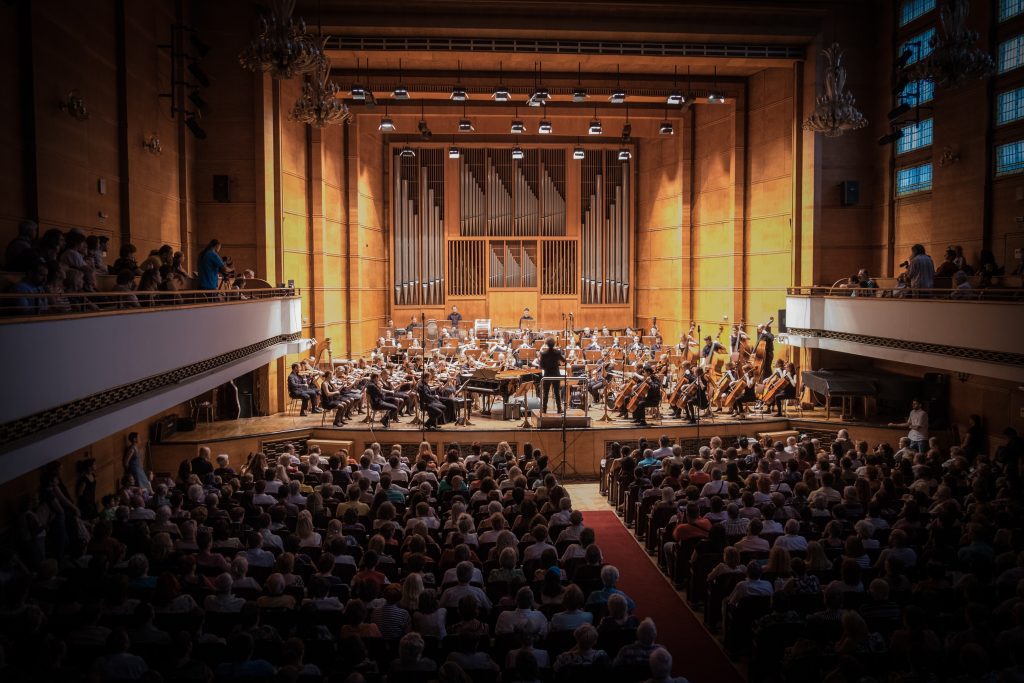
(760, 349)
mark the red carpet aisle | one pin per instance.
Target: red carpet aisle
(695, 654)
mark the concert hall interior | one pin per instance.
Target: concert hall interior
(777, 242)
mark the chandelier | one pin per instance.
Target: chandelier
(282, 48)
(954, 57)
(834, 111)
(319, 104)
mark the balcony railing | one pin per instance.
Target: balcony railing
(20, 307)
(1001, 294)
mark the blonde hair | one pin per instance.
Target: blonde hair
(304, 525)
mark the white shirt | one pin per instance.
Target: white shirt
(508, 620)
(791, 543)
(918, 425)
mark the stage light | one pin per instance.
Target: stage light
(198, 74)
(627, 129)
(890, 138)
(618, 95)
(578, 153)
(407, 152)
(387, 125)
(459, 94)
(425, 132)
(579, 95)
(595, 128)
(454, 153)
(716, 98)
(518, 127)
(466, 126)
(675, 98)
(400, 93)
(625, 154)
(539, 97)
(358, 92)
(517, 152)
(666, 128)
(502, 94)
(545, 127)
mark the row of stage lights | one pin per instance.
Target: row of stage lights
(539, 98)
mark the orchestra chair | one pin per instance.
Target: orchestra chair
(372, 414)
(792, 403)
(202, 408)
(654, 414)
(294, 406)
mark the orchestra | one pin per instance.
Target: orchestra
(460, 369)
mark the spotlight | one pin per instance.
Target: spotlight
(666, 128)
(578, 153)
(198, 102)
(890, 138)
(502, 94)
(407, 152)
(358, 92)
(617, 97)
(459, 94)
(595, 127)
(198, 74)
(625, 154)
(198, 45)
(400, 93)
(454, 153)
(518, 127)
(193, 126)
(387, 125)
(465, 126)
(675, 98)
(424, 130)
(579, 95)
(545, 127)
(539, 97)
(517, 152)
(716, 98)
(899, 111)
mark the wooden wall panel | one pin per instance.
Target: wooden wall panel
(13, 206)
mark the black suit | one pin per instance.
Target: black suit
(431, 404)
(551, 361)
(650, 400)
(379, 402)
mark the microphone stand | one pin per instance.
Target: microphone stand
(565, 410)
(699, 408)
(421, 413)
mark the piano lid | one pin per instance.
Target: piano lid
(838, 383)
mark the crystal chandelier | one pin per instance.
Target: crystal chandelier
(834, 111)
(282, 48)
(319, 105)
(954, 57)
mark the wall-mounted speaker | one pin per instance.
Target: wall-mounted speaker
(849, 193)
(221, 188)
(782, 321)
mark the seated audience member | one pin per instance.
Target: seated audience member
(609, 577)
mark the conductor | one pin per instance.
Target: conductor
(550, 360)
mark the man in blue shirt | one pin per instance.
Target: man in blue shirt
(33, 283)
(211, 266)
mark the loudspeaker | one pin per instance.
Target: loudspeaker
(186, 424)
(849, 193)
(163, 428)
(781, 318)
(221, 188)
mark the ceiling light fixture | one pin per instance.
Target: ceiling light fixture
(835, 110)
(579, 93)
(387, 125)
(666, 127)
(453, 151)
(407, 152)
(518, 127)
(545, 127)
(465, 125)
(501, 93)
(595, 125)
(459, 93)
(890, 138)
(540, 94)
(627, 127)
(282, 48)
(578, 153)
(618, 95)
(517, 152)
(625, 154)
(955, 56)
(400, 92)
(715, 96)
(319, 104)
(675, 98)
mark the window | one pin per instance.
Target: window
(1010, 8)
(912, 9)
(917, 92)
(1010, 158)
(913, 179)
(1011, 54)
(920, 46)
(915, 137)
(1010, 106)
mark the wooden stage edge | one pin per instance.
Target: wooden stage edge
(584, 447)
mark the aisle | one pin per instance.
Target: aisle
(696, 655)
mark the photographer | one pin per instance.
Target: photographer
(920, 268)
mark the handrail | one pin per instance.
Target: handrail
(1001, 294)
(20, 307)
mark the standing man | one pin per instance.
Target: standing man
(764, 332)
(917, 423)
(526, 317)
(550, 360)
(920, 269)
(454, 318)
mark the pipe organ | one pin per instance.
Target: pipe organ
(543, 223)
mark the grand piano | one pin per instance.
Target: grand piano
(490, 382)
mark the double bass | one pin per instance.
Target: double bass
(761, 350)
(740, 351)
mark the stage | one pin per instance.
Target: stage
(584, 447)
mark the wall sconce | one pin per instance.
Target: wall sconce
(948, 156)
(152, 143)
(74, 105)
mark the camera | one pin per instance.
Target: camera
(904, 264)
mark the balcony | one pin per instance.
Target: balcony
(76, 377)
(980, 335)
